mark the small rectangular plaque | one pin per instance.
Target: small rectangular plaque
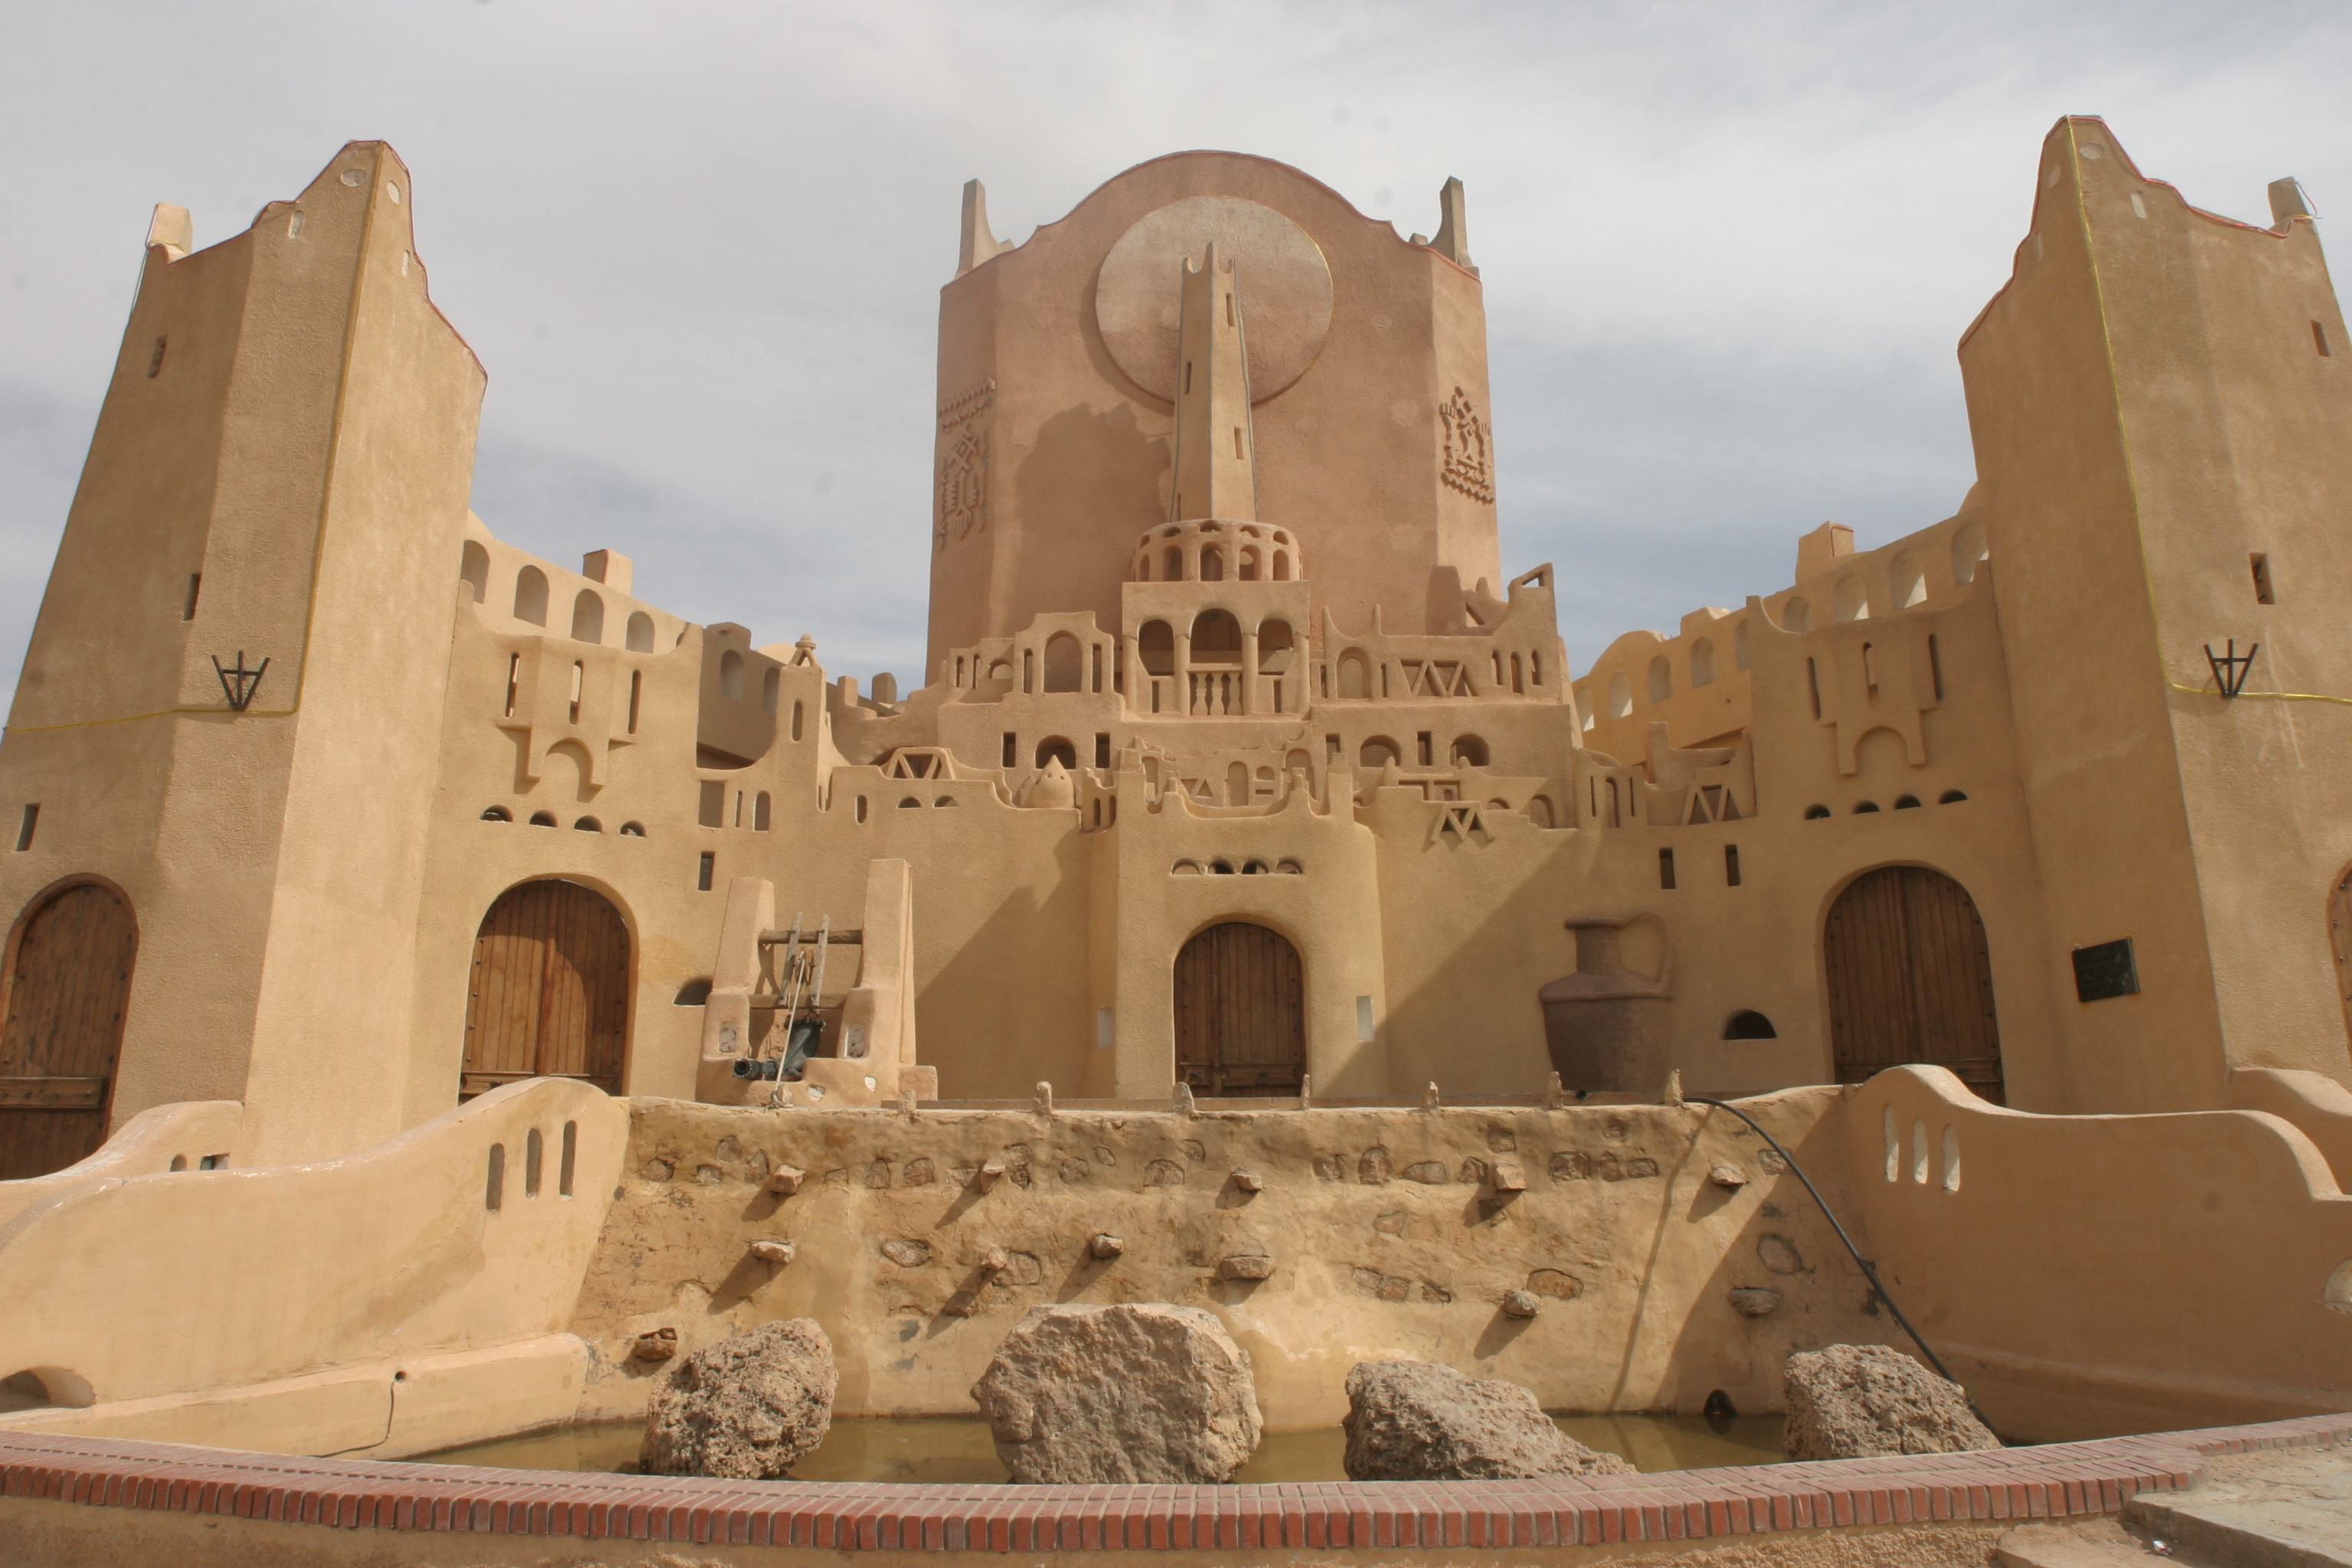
(2105, 971)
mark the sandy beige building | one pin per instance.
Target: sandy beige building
(1240, 760)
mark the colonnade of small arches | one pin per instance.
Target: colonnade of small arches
(530, 603)
(1214, 551)
(1254, 867)
(548, 819)
(1902, 802)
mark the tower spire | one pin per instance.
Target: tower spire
(1216, 448)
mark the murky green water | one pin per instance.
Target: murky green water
(957, 1448)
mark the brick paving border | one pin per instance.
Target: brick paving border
(2051, 1481)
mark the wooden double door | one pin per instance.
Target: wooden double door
(1910, 979)
(1241, 1012)
(549, 993)
(68, 990)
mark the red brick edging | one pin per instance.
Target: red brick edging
(2047, 1482)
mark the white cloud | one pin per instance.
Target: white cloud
(1728, 247)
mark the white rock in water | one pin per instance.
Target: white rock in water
(1851, 1402)
(746, 1408)
(1140, 1391)
(1417, 1421)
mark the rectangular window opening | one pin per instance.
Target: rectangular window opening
(569, 1158)
(195, 586)
(514, 681)
(637, 690)
(1731, 865)
(493, 1190)
(712, 807)
(1237, 442)
(1813, 685)
(2318, 339)
(2263, 594)
(1666, 869)
(1428, 753)
(1229, 311)
(1102, 751)
(1936, 666)
(1188, 378)
(1363, 1020)
(709, 869)
(579, 683)
(1011, 749)
(738, 808)
(1331, 745)
(534, 1157)
(25, 828)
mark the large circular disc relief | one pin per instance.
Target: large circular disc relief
(1286, 289)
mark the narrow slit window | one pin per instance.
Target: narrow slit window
(1813, 685)
(2263, 594)
(1936, 666)
(195, 586)
(796, 721)
(514, 681)
(709, 869)
(494, 1187)
(1188, 378)
(1731, 865)
(1869, 671)
(1666, 869)
(1011, 749)
(1426, 750)
(579, 680)
(534, 1155)
(568, 1159)
(1229, 311)
(1237, 441)
(1102, 751)
(155, 360)
(637, 690)
(2318, 339)
(32, 819)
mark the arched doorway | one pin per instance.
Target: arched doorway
(1910, 979)
(549, 995)
(68, 987)
(2340, 928)
(1241, 1012)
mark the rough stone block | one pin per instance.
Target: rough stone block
(1852, 1402)
(1416, 1420)
(745, 1408)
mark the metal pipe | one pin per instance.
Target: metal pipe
(1868, 1272)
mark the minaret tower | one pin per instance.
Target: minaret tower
(1216, 459)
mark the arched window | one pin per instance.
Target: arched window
(1355, 674)
(1217, 638)
(589, 825)
(1662, 678)
(1065, 664)
(632, 830)
(1702, 660)
(1274, 648)
(1054, 746)
(1864, 808)
(948, 800)
(1910, 584)
(1969, 552)
(693, 994)
(1248, 573)
(1155, 645)
(1539, 810)
(1469, 752)
(588, 616)
(911, 804)
(474, 569)
(1797, 616)
(1282, 565)
(543, 819)
(1213, 564)
(1747, 1025)
(530, 595)
(796, 721)
(497, 814)
(1621, 695)
(641, 632)
(730, 675)
(1906, 803)
(1143, 567)
(1739, 644)
(1185, 868)
(770, 684)
(1815, 812)
(1174, 562)
(1952, 797)
(1853, 600)
(1378, 752)
(760, 812)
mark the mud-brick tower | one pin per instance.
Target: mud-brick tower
(1059, 383)
(2161, 401)
(280, 473)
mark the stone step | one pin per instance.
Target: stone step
(2287, 1509)
(2100, 1543)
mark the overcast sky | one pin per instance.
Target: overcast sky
(1728, 247)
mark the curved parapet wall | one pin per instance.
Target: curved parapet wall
(328, 1306)
(2095, 1274)
(59, 1495)
(166, 1138)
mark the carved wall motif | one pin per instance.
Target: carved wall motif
(962, 507)
(1469, 468)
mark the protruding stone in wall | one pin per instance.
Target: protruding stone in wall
(1246, 1266)
(655, 1344)
(1755, 1301)
(1730, 1176)
(1416, 1420)
(1249, 1182)
(776, 1252)
(1139, 1393)
(1103, 1246)
(787, 1180)
(1520, 1304)
(1851, 1402)
(745, 1408)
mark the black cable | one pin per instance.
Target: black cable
(1861, 1262)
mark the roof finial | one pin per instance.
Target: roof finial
(980, 242)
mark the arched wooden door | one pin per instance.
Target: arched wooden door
(550, 991)
(68, 987)
(1241, 1012)
(1910, 979)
